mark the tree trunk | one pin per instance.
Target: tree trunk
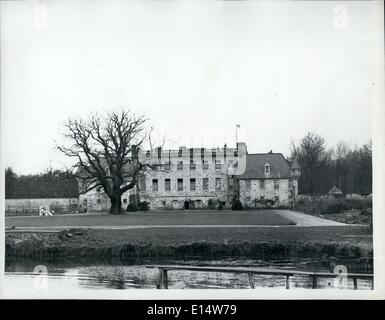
(116, 204)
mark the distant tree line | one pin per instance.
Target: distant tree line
(51, 184)
(347, 168)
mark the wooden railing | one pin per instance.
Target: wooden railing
(314, 276)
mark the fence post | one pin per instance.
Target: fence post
(164, 279)
(159, 285)
(355, 283)
(314, 285)
(287, 282)
(251, 281)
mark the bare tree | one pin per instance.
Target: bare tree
(105, 150)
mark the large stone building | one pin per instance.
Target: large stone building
(193, 178)
(190, 178)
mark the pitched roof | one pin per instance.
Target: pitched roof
(335, 190)
(255, 166)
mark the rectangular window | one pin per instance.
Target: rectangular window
(205, 164)
(192, 165)
(192, 184)
(231, 183)
(262, 184)
(180, 165)
(167, 184)
(276, 184)
(167, 166)
(155, 185)
(205, 184)
(248, 184)
(218, 184)
(218, 164)
(180, 184)
(142, 184)
(291, 185)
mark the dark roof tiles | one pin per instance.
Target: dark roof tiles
(255, 166)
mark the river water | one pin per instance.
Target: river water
(115, 274)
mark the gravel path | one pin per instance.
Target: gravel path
(302, 219)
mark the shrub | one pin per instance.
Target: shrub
(319, 205)
(212, 203)
(359, 204)
(132, 207)
(143, 206)
(366, 211)
(337, 206)
(237, 205)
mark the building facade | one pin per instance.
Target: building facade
(194, 178)
(269, 180)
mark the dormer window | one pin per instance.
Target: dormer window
(267, 168)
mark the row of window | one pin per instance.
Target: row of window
(193, 165)
(180, 153)
(262, 184)
(181, 184)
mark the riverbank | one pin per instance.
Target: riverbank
(258, 243)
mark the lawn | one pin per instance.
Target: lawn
(274, 236)
(257, 217)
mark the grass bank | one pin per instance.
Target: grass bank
(258, 243)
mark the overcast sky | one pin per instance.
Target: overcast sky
(195, 69)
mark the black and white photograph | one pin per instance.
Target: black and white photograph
(205, 149)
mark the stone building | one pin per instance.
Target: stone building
(269, 179)
(190, 178)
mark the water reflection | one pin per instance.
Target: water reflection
(116, 274)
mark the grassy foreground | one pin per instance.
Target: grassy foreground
(194, 217)
(261, 243)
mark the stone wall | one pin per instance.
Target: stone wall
(284, 194)
(31, 206)
(97, 201)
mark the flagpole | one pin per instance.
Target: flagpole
(236, 135)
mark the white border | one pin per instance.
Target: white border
(378, 138)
